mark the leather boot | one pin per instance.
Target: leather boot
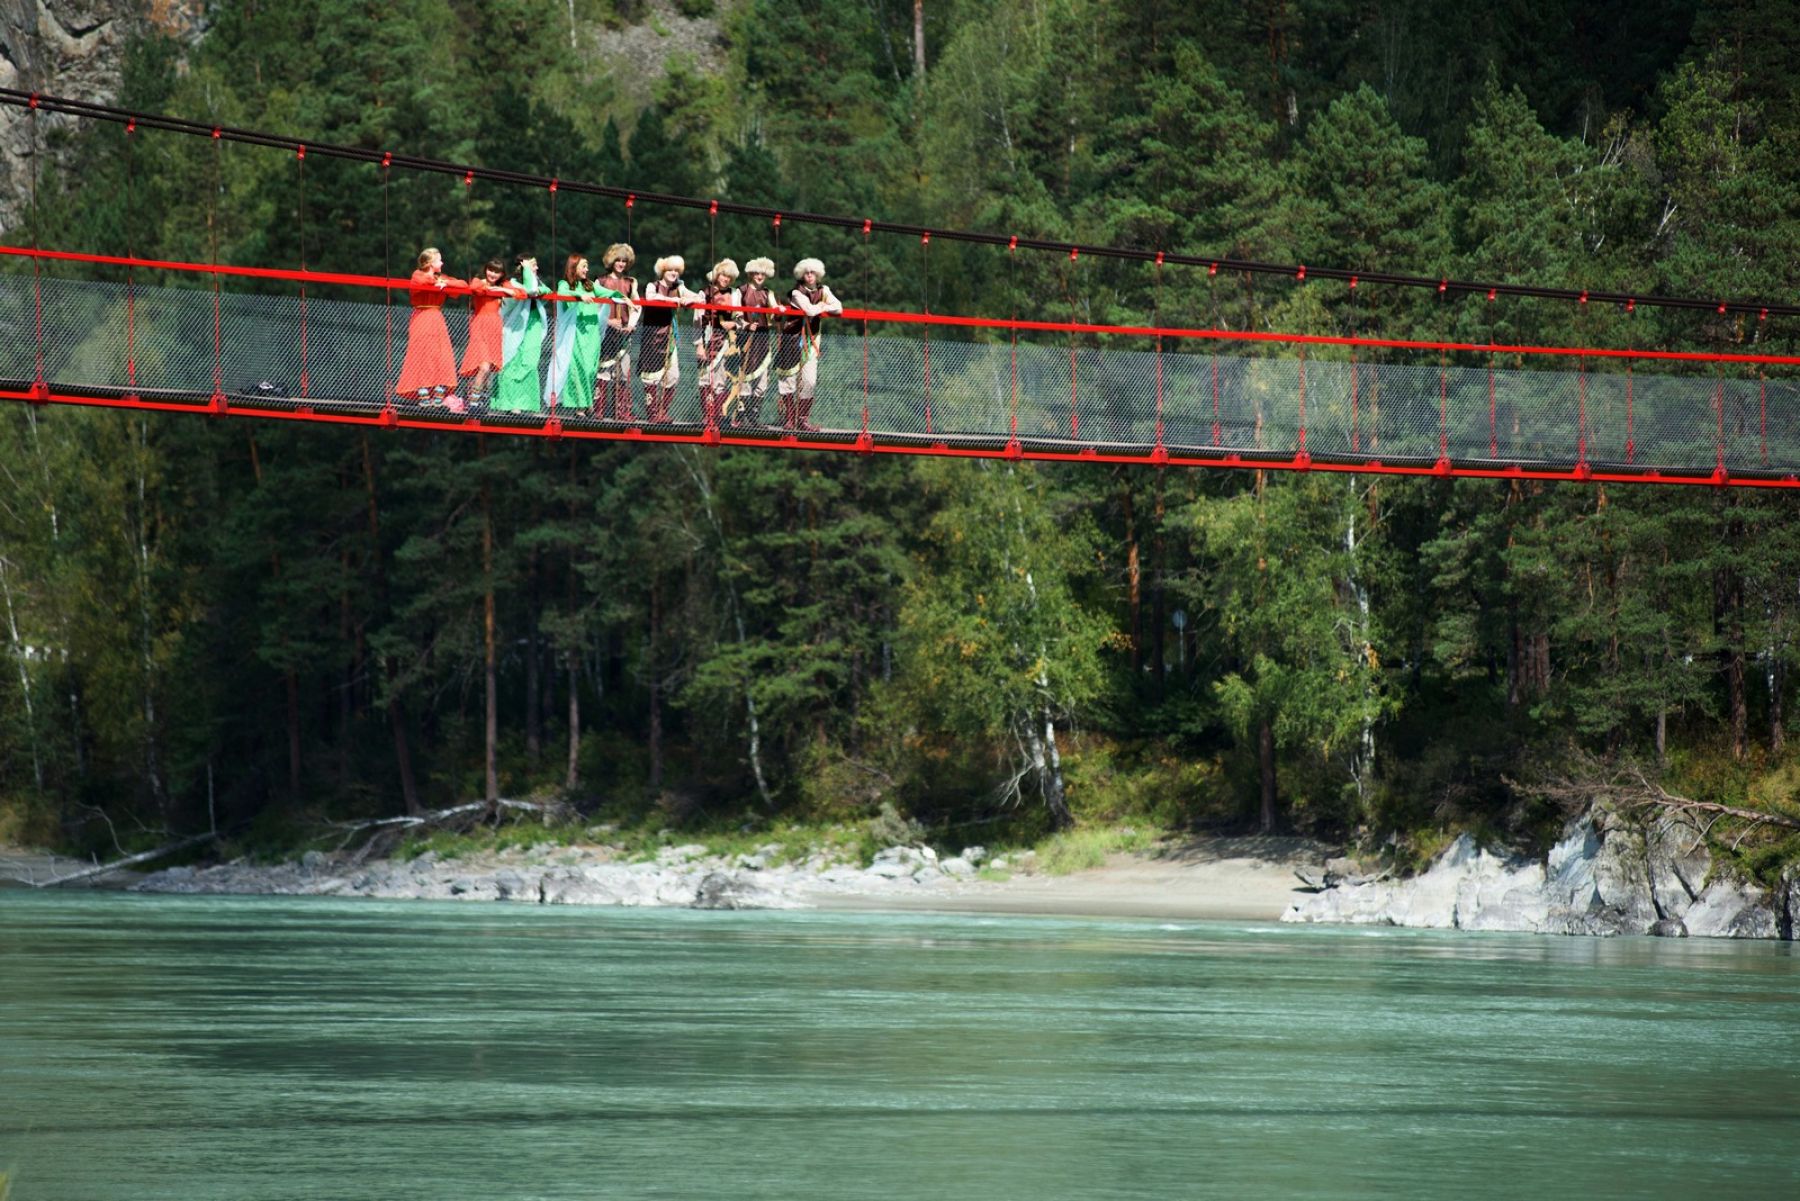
(804, 413)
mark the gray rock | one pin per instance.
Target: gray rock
(890, 869)
(312, 861)
(723, 890)
(974, 854)
(1603, 877)
(958, 867)
(510, 885)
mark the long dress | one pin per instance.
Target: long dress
(522, 346)
(484, 349)
(576, 359)
(430, 361)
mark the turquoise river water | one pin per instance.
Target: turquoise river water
(242, 1049)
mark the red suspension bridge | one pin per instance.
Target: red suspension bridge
(210, 338)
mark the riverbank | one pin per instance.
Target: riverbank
(1607, 875)
(1248, 879)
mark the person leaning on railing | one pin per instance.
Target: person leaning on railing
(483, 355)
(756, 348)
(521, 340)
(428, 372)
(615, 347)
(659, 363)
(717, 344)
(575, 363)
(797, 358)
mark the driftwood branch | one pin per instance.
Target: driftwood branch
(1629, 787)
(128, 861)
(438, 817)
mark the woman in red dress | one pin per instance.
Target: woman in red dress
(428, 373)
(482, 358)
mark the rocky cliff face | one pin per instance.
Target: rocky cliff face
(1607, 875)
(72, 48)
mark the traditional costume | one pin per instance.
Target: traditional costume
(521, 344)
(750, 382)
(659, 360)
(717, 345)
(484, 349)
(614, 374)
(428, 372)
(575, 361)
(797, 356)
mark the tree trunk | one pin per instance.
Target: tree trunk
(1777, 683)
(1662, 738)
(18, 649)
(1055, 795)
(492, 724)
(152, 766)
(346, 634)
(1728, 604)
(534, 701)
(1265, 754)
(1134, 597)
(572, 778)
(409, 789)
(919, 41)
(1159, 617)
(656, 747)
(292, 681)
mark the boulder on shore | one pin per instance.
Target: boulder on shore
(1604, 876)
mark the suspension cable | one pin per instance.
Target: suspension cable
(1440, 284)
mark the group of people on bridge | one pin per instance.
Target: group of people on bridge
(746, 334)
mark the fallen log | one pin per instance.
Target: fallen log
(102, 869)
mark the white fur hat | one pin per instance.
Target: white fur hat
(617, 251)
(760, 267)
(724, 267)
(805, 265)
(672, 263)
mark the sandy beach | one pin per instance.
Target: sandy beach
(1225, 879)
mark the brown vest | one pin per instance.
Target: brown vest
(659, 316)
(711, 319)
(753, 297)
(800, 321)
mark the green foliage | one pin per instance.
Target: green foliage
(1089, 847)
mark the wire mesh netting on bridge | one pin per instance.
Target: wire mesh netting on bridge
(892, 383)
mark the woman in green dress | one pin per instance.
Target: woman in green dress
(576, 358)
(521, 340)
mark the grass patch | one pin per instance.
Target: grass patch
(1087, 847)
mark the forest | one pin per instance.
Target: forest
(251, 627)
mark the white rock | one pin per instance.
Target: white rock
(1731, 909)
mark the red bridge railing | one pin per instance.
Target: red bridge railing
(170, 340)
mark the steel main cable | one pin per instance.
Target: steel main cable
(1443, 285)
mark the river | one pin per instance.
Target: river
(250, 1048)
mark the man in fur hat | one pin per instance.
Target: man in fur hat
(797, 357)
(717, 344)
(755, 347)
(659, 364)
(613, 382)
